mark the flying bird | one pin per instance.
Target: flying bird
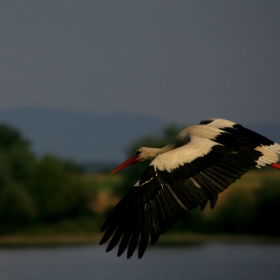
(202, 161)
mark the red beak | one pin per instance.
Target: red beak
(128, 162)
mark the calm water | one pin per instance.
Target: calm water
(213, 261)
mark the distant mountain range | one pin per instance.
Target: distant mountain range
(89, 137)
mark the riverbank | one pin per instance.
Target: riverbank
(172, 239)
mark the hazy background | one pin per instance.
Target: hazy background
(170, 61)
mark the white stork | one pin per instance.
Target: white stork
(202, 161)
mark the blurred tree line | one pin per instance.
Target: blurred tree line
(49, 189)
(35, 190)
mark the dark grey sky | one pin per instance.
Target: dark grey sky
(177, 60)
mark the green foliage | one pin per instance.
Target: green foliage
(10, 138)
(58, 189)
(246, 211)
(50, 187)
(267, 208)
(235, 214)
(16, 159)
(17, 207)
(17, 162)
(33, 190)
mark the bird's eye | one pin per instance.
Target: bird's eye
(137, 153)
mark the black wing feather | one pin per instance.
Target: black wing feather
(145, 232)
(154, 222)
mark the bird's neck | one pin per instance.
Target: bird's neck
(154, 152)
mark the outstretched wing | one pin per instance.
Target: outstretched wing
(173, 183)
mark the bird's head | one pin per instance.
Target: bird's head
(140, 155)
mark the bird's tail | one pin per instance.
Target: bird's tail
(270, 155)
